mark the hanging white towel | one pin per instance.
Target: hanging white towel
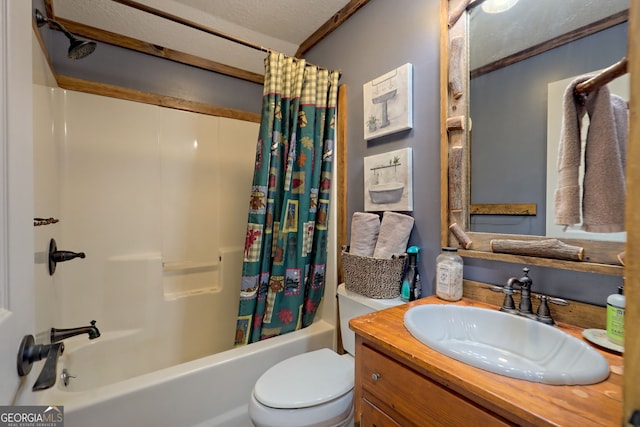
(395, 230)
(364, 233)
(604, 190)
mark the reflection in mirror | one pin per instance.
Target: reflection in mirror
(508, 101)
(619, 87)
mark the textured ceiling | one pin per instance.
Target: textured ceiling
(280, 25)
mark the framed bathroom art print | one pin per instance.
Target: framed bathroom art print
(388, 181)
(388, 104)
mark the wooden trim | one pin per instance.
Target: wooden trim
(454, 139)
(103, 89)
(576, 313)
(328, 27)
(588, 267)
(444, 107)
(130, 43)
(342, 148)
(48, 7)
(503, 209)
(600, 257)
(631, 385)
(569, 37)
(595, 251)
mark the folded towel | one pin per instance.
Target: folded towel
(604, 189)
(395, 230)
(364, 233)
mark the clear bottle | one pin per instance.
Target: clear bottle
(449, 275)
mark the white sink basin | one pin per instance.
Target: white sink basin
(506, 344)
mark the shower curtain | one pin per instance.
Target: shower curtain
(285, 252)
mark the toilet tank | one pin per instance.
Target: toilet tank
(352, 304)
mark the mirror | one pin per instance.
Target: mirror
(510, 132)
(502, 162)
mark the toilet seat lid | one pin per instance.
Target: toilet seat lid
(308, 379)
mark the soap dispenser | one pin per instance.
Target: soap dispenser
(615, 316)
(411, 287)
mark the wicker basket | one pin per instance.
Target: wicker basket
(373, 277)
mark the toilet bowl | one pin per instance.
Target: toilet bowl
(314, 389)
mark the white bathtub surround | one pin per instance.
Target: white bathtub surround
(154, 212)
(150, 331)
(152, 197)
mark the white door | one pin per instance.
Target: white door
(16, 196)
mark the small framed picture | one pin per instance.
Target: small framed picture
(388, 106)
(388, 181)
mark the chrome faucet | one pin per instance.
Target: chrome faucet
(62, 334)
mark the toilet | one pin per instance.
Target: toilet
(314, 389)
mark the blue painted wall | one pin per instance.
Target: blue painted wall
(380, 37)
(122, 67)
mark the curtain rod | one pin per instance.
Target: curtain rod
(191, 24)
(605, 76)
(195, 25)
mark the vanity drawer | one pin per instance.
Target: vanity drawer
(410, 398)
(374, 417)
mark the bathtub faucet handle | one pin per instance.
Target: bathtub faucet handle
(30, 352)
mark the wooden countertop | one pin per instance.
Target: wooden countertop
(519, 401)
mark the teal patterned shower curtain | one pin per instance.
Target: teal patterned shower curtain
(285, 251)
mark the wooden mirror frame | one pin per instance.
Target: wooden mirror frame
(600, 257)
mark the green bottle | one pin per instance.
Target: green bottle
(409, 290)
(615, 317)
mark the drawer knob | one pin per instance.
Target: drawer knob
(375, 376)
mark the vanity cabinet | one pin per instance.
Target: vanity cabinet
(402, 382)
(394, 395)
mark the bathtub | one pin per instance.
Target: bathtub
(165, 356)
(210, 391)
(162, 277)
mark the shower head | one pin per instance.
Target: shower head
(77, 48)
(80, 48)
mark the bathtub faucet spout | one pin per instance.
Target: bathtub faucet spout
(62, 334)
